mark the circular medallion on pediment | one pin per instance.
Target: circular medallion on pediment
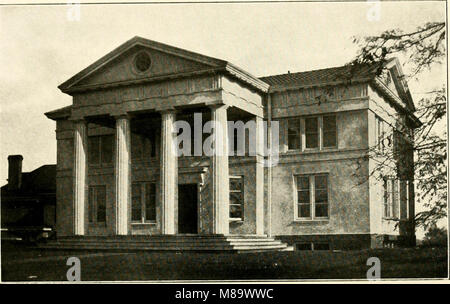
(142, 62)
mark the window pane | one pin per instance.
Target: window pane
(293, 134)
(150, 204)
(303, 246)
(93, 149)
(101, 204)
(321, 196)
(235, 211)
(302, 183)
(311, 132)
(321, 181)
(236, 184)
(107, 149)
(304, 210)
(303, 197)
(329, 131)
(321, 210)
(321, 246)
(136, 207)
(236, 198)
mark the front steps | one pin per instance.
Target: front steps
(194, 243)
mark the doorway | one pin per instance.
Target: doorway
(187, 208)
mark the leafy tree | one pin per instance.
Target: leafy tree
(435, 237)
(423, 49)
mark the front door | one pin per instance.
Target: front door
(187, 208)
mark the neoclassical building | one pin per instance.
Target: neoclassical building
(118, 175)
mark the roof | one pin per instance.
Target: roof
(216, 65)
(60, 113)
(321, 77)
(35, 183)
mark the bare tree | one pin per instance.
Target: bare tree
(423, 48)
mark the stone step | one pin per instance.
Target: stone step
(223, 247)
(161, 244)
(182, 241)
(228, 243)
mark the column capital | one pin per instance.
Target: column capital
(216, 106)
(121, 115)
(166, 110)
(77, 119)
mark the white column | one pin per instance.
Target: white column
(259, 175)
(122, 174)
(79, 176)
(219, 166)
(168, 175)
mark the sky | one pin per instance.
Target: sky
(41, 47)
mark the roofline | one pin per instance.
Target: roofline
(136, 41)
(385, 91)
(60, 113)
(282, 88)
(247, 77)
(216, 65)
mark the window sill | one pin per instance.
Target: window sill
(143, 224)
(311, 151)
(313, 221)
(102, 166)
(236, 220)
(390, 218)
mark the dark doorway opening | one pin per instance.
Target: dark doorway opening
(187, 208)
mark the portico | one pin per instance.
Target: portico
(141, 89)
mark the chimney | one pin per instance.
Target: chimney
(15, 172)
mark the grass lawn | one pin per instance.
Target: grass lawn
(27, 264)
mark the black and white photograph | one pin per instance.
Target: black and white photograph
(223, 142)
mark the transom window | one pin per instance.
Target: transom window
(100, 149)
(316, 132)
(143, 202)
(236, 198)
(97, 204)
(312, 196)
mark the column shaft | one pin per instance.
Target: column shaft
(168, 174)
(219, 166)
(79, 177)
(122, 174)
(259, 175)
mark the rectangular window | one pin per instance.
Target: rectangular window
(100, 149)
(312, 132)
(316, 132)
(294, 134)
(329, 131)
(97, 204)
(237, 198)
(143, 202)
(312, 196)
(391, 197)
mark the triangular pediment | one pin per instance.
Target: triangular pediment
(139, 59)
(395, 80)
